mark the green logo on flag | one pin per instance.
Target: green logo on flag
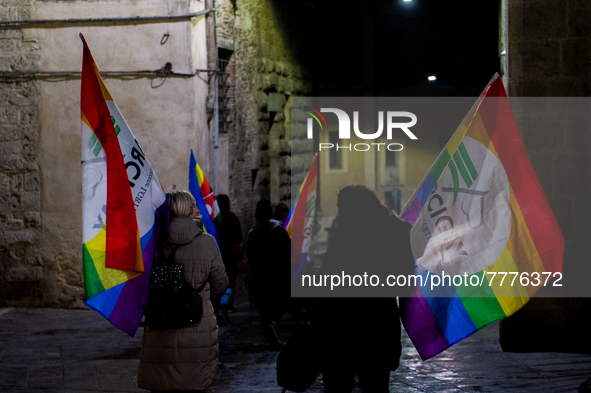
(95, 144)
(467, 170)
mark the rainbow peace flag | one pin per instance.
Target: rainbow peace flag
(480, 210)
(122, 205)
(300, 221)
(205, 198)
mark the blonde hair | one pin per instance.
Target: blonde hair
(181, 203)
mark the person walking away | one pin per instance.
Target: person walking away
(300, 307)
(186, 359)
(361, 336)
(230, 233)
(281, 212)
(268, 248)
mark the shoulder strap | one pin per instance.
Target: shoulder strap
(202, 285)
(162, 259)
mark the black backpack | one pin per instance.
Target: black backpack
(172, 302)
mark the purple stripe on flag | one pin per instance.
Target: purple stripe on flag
(422, 326)
(132, 302)
(413, 212)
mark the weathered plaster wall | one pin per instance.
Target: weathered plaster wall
(40, 177)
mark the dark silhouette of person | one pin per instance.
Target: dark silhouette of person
(268, 248)
(230, 233)
(300, 307)
(360, 335)
(281, 212)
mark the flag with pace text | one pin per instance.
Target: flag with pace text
(123, 207)
(479, 212)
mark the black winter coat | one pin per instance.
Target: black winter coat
(363, 331)
(268, 248)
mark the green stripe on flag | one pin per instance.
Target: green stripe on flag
(117, 128)
(92, 140)
(97, 148)
(95, 144)
(468, 161)
(480, 301)
(462, 169)
(456, 180)
(440, 164)
(92, 282)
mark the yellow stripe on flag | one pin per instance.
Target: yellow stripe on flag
(520, 243)
(199, 173)
(106, 94)
(109, 277)
(510, 297)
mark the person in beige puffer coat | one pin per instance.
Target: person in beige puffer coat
(186, 359)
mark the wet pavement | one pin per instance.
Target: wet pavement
(57, 350)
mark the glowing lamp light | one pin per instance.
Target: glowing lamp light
(431, 78)
(407, 1)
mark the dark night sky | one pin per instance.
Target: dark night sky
(389, 47)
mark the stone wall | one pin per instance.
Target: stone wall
(549, 54)
(40, 177)
(21, 265)
(270, 63)
(40, 208)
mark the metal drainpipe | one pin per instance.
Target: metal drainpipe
(216, 106)
(214, 91)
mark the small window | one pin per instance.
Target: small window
(335, 157)
(391, 158)
(226, 89)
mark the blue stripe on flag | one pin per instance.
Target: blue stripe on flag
(425, 191)
(452, 317)
(144, 240)
(105, 302)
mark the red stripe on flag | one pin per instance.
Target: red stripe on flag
(205, 187)
(122, 230)
(500, 124)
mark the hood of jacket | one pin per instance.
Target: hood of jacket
(184, 229)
